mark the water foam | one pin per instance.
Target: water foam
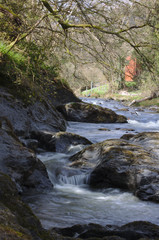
(74, 180)
(147, 125)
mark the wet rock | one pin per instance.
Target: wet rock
(24, 119)
(85, 112)
(148, 140)
(104, 129)
(125, 129)
(131, 231)
(17, 221)
(58, 142)
(58, 92)
(123, 109)
(87, 231)
(117, 163)
(128, 129)
(30, 143)
(19, 163)
(127, 136)
(64, 140)
(45, 140)
(142, 228)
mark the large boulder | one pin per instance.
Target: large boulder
(31, 116)
(19, 163)
(148, 140)
(118, 163)
(17, 221)
(85, 112)
(58, 142)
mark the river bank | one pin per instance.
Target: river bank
(72, 201)
(126, 96)
(64, 197)
(22, 114)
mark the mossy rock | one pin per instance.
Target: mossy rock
(17, 220)
(9, 233)
(121, 164)
(84, 112)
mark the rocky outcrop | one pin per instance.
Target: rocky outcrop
(31, 117)
(58, 142)
(118, 163)
(19, 163)
(85, 112)
(17, 221)
(131, 231)
(59, 93)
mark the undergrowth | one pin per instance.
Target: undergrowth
(25, 72)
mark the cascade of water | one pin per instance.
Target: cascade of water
(71, 201)
(148, 125)
(74, 180)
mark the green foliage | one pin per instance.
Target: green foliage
(64, 82)
(13, 56)
(96, 92)
(131, 85)
(148, 103)
(26, 75)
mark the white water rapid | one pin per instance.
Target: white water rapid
(71, 201)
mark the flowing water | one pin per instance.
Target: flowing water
(71, 201)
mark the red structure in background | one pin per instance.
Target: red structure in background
(130, 69)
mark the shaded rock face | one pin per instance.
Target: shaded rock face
(58, 142)
(118, 163)
(131, 231)
(85, 112)
(55, 91)
(17, 222)
(19, 163)
(24, 119)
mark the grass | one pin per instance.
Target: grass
(96, 92)
(126, 96)
(27, 76)
(16, 57)
(148, 103)
(135, 95)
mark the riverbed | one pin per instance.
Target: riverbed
(71, 201)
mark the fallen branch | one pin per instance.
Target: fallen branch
(153, 95)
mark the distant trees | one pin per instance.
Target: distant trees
(106, 31)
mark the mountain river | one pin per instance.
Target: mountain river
(71, 201)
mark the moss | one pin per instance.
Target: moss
(10, 234)
(149, 103)
(21, 216)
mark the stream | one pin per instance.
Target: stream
(71, 201)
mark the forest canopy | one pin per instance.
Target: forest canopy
(41, 34)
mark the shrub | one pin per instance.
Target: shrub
(131, 85)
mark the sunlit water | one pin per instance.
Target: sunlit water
(71, 201)
(138, 121)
